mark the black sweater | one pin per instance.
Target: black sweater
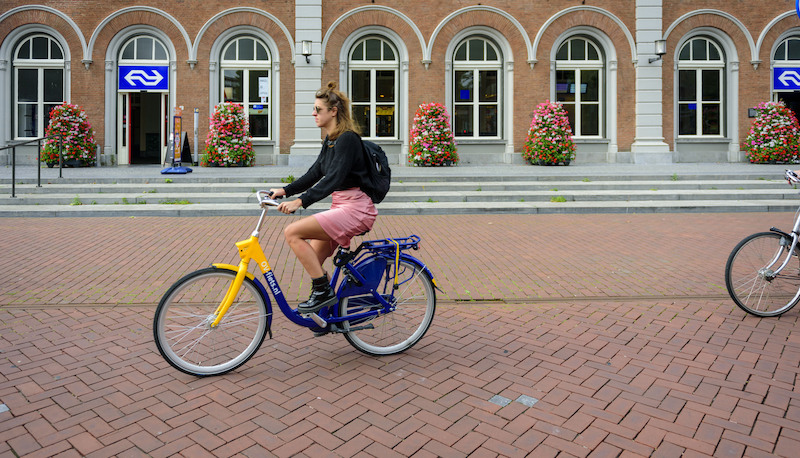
(337, 168)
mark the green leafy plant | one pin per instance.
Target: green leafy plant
(549, 139)
(167, 180)
(71, 123)
(774, 136)
(432, 142)
(558, 199)
(289, 179)
(76, 201)
(175, 202)
(228, 142)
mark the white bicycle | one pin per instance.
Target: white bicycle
(763, 271)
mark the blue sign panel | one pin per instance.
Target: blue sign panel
(143, 78)
(786, 78)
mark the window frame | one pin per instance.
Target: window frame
(476, 67)
(374, 66)
(248, 66)
(699, 67)
(40, 65)
(579, 67)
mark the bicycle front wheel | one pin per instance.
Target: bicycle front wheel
(751, 278)
(182, 324)
(414, 303)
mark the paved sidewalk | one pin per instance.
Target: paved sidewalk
(590, 335)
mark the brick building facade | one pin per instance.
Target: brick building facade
(490, 63)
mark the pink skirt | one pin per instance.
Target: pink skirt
(352, 213)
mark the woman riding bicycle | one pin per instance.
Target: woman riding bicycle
(339, 171)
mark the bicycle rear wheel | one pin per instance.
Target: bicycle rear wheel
(182, 324)
(414, 305)
(751, 279)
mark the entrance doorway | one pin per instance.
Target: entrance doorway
(142, 127)
(792, 101)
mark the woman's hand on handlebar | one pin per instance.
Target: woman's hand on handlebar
(290, 206)
(277, 193)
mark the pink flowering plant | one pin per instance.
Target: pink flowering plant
(432, 142)
(774, 135)
(228, 143)
(77, 135)
(549, 139)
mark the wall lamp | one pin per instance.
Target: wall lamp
(661, 49)
(305, 46)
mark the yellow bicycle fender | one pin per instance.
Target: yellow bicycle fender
(233, 268)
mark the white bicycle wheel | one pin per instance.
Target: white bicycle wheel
(182, 324)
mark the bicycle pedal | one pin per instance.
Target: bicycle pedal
(316, 318)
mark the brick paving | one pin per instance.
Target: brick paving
(601, 335)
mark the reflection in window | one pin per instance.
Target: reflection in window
(245, 70)
(700, 88)
(476, 89)
(373, 87)
(579, 85)
(38, 84)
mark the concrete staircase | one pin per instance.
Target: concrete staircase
(511, 189)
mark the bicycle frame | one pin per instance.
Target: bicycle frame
(791, 178)
(250, 249)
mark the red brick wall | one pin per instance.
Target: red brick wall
(532, 86)
(754, 84)
(87, 86)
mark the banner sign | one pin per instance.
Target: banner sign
(786, 78)
(143, 78)
(176, 139)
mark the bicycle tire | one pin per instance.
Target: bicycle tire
(399, 330)
(181, 326)
(750, 277)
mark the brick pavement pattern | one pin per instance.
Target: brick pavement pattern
(614, 338)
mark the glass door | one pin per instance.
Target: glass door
(123, 128)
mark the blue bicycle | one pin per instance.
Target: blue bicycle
(213, 320)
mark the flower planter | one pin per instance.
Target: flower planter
(228, 143)
(773, 138)
(79, 147)
(549, 139)
(432, 143)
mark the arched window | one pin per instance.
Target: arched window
(476, 89)
(580, 85)
(38, 84)
(788, 50)
(374, 66)
(246, 79)
(701, 72)
(143, 50)
(787, 54)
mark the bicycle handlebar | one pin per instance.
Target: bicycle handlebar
(265, 199)
(791, 177)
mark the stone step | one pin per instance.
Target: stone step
(396, 196)
(412, 208)
(414, 191)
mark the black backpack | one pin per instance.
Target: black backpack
(380, 175)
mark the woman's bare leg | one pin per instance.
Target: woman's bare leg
(310, 244)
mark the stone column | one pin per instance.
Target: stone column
(308, 78)
(648, 146)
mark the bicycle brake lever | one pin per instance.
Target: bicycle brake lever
(265, 199)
